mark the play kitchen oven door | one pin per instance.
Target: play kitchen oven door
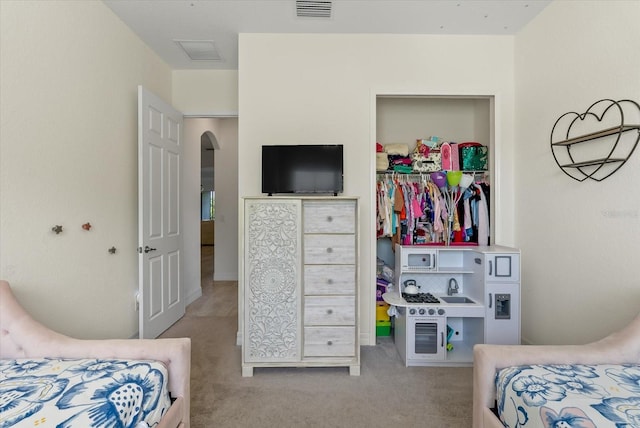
(425, 338)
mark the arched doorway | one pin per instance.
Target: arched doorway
(208, 146)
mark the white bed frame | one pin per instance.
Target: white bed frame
(23, 337)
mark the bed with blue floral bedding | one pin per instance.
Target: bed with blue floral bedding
(569, 396)
(65, 393)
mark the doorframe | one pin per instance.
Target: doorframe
(197, 253)
(495, 162)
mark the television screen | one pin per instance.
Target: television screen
(302, 169)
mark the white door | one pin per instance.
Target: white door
(161, 294)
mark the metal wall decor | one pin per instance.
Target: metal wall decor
(612, 126)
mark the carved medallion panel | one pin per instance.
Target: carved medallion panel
(272, 278)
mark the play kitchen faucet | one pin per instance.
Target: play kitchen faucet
(452, 288)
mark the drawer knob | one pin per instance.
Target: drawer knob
(329, 250)
(329, 311)
(329, 343)
(329, 218)
(329, 281)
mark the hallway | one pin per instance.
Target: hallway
(207, 253)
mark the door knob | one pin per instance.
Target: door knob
(147, 249)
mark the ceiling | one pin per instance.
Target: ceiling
(211, 27)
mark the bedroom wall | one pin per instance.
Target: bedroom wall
(321, 89)
(68, 155)
(226, 167)
(206, 92)
(579, 240)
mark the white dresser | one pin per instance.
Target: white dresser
(299, 285)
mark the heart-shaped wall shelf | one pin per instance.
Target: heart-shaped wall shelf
(612, 126)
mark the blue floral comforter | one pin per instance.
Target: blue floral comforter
(569, 396)
(82, 393)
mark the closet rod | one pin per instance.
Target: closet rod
(391, 174)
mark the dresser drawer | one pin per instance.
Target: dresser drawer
(329, 249)
(334, 310)
(329, 341)
(329, 279)
(329, 216)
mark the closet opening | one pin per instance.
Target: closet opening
(404, 122)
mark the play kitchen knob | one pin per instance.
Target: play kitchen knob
(412, 311)
(432, 311)
(422, 311)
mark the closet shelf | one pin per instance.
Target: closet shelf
(424, 174)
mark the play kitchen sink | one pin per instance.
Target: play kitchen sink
(456, 299)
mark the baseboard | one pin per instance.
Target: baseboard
(365, 339)
(225, 276)
(193, 296)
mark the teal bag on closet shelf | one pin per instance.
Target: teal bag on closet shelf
(473, 156)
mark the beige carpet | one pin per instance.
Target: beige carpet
(386, 394)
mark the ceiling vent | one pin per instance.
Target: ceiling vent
(200, 50)
(313, 9)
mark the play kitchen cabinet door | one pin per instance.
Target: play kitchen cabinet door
(502, 298)
(502, 317)
(502, 267)
(299, 287)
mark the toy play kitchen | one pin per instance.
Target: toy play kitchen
(447, 299)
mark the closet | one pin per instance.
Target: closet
(407, 118)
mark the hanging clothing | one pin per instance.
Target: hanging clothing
(483, 219)
(412, 210)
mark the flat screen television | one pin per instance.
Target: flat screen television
(304, 169)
